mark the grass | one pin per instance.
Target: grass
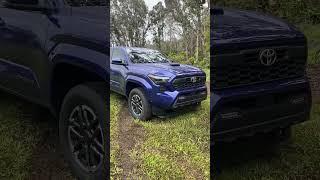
(173, 148)
(29, 142)
(18, 137)
(313, 34)
(177, 147)
(296, 159)
(207, 71)
(115, 106)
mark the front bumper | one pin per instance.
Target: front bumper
(261, 127)
(175, 99)
(243, 112)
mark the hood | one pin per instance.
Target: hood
(240, 25)
(167, 69)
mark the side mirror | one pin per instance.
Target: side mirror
(119, 62)
(33, 5)
(217, 11)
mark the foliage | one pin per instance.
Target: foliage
(312, 33)
(295, 11)
(178, 28)
(129, 23)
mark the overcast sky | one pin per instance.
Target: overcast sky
(151, 3)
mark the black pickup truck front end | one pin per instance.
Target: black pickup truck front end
(258, 75)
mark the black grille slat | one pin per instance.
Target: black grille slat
(185, 82)
(190, 98)
(251, 70)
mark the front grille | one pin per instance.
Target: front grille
(186, 82)
(250, 70)
(191, 98)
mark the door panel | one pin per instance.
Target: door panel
(114, 84)
(117, 72)
(22, 38)
(123, 71)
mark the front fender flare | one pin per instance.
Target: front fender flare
(141, 82)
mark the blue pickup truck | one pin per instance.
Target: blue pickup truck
(55, 53)
(258, 75)
(152, 83)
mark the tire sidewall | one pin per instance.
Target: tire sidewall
(146, 111)
(82, 95)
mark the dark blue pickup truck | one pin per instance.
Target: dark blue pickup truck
(152, 83)
(258, 75)
(55, 53)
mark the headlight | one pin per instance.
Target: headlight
(158, 79)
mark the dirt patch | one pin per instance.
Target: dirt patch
(47, 161)
(130, 137)
(313, 72)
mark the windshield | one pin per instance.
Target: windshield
(148, 57)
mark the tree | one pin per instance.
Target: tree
(157, 20)
(190, 14)
(129, 22)
(179, 28)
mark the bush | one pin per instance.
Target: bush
(181, 57)
(295, 11)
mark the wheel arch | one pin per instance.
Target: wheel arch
(66, 75)
(137, 82)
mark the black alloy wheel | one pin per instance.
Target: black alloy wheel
(139, 105)
(85, 138)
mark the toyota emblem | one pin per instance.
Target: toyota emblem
(268, 57)
(193, 79)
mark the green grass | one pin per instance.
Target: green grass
(18, 137)
(313, 34)
(178, 147)
(207, 71)
(115, 107)
(296, 159)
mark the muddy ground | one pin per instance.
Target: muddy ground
(131, 135)
(47, 159)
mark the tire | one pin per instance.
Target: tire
(84, 142)
(143, 103)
